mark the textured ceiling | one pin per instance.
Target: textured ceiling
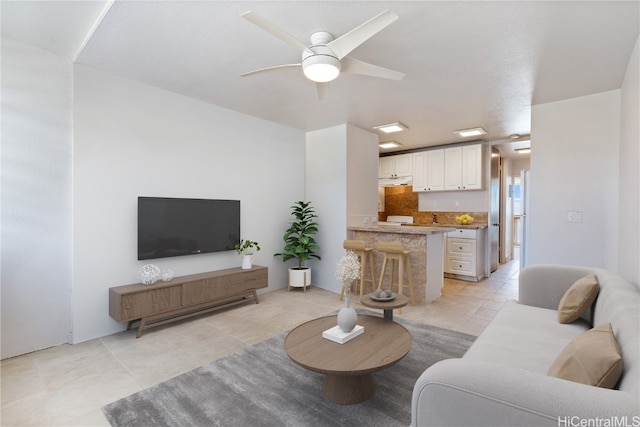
(478, 63)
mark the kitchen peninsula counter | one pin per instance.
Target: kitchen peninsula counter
(427, 254)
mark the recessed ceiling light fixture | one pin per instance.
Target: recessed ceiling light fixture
(391, 127)
(389, 144)
(523, 150)
(465, 133)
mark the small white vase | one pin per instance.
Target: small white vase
(347, 316)
(246, 262)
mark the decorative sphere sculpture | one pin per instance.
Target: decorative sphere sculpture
(149, 274)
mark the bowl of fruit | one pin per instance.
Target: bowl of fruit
(464, 219)
(382, 295)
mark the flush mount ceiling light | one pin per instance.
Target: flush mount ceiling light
(389, 144)
(523, 150)
(465, 133)
(391, 127)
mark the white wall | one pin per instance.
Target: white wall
(326, 177)
(341, 182)
(135, 140)
(36, 199)
(362, 176)
(574, 167)
(629, 242)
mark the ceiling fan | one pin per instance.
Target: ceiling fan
(326, 57)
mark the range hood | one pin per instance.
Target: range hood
(399, 180)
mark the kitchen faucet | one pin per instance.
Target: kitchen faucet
(435, 218)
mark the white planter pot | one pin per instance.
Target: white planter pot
(246, 262)
(299, 278)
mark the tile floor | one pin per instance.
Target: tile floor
(67, 385)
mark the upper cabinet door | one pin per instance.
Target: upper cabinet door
(420, 171)
(472, 162)
(403, 164)
(435, 170)
(453, 168)
(386, 167)
(395, 166)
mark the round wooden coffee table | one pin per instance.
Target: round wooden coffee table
(348, 367)
(386, 306)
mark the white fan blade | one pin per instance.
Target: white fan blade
(275, 67)
(274, 30)
(355, 66)
(322, 89)
(344, 44)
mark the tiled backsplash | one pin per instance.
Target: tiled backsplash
(402, 200)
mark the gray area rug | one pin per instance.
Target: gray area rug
(261, 386)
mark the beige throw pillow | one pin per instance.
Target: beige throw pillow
(578, 298)
(591, 358)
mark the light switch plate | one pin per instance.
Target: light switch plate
(574, 217)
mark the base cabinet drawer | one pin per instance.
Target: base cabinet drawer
(464, 247)
(461, 266)
(464, 254)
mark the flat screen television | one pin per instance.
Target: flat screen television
(169, 227)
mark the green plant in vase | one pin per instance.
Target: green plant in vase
(247, 247)
(299, 241)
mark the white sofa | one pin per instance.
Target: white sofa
(502, 379)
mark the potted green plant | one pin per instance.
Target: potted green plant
(246, 248)
(300, 244)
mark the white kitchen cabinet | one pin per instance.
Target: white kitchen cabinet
(420, 171)
(395, 166)
(472, 167)
(435, 170)
(463, 167)
(449, 169)
(428, 170)
(464, 254)
(453, 168)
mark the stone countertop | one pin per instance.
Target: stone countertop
(399, 229)
(452, 226)
(414, 228)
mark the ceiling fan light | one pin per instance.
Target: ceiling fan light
(321, 68)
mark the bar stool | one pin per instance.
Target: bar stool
(365, 255)
(395, 252)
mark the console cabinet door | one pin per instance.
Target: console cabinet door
(147, 303)
(205, 290)
(253, 279)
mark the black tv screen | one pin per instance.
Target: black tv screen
(169, 227)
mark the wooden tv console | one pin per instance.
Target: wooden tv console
(186, 296)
